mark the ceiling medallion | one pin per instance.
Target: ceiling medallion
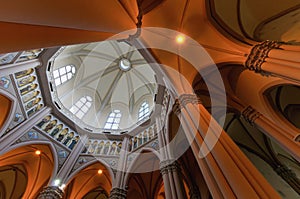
(124, 64)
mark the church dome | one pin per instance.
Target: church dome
(103, 86)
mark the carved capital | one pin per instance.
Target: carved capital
(194, 193)
(183, 100)
(167, 166)
(51, 192)
(285, 172)
(250, 114)
(118, 193)
(259, 53)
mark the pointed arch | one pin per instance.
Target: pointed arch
(37, 165)
(88, 173)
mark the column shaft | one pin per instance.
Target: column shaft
(281, 136)
(228, 165)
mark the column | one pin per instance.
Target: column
(167, 185)
(51, 192)
(281, 136)
(19, 130)
(118, 193)
(119, 190)
(276, 59)
(16, 67)
(223, 164)
(169, 168)
(194, 193)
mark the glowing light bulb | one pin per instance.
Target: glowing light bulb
(56, 182)
(100, 171)
(62, 186)
(38, 152)
(180, 39)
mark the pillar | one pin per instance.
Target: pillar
(118, 193)
(281, 136)
(119, 190)
(194, 193)
(169, 168)
(224, 166)
(276, 59)
(51, 192)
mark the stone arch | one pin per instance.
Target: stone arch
(86, 179)
(36, 165)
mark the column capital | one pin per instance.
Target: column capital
(285, 172)
(183, 100)
(250, 114)
(167, 166)
(194, 192)
(51, 192)
(259, 53)
(118, 193)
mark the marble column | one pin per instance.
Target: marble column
(51, 192)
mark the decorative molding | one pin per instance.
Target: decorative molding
(51, 192)
(285, 172)
(167, 166)
(183, 100)
(259, 53)
(250, 114)
(118, 193)
(194, 193)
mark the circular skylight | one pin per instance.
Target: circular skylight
(124, 64)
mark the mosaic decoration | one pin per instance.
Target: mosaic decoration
(4, 82)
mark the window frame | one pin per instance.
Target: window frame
(113, 120)
(63, 74)
(77, 108)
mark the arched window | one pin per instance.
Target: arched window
(113, 120)
(82, 106)
(63, 74)
(144, 111)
